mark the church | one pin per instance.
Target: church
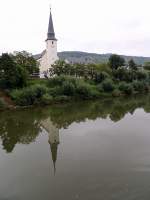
(49, 55)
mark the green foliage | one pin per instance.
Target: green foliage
(86, 91)
(83, 90)
(21, 77)
(26, 61)
(59, 80)
(36, 81)
(82, 82)
(108, 85)
(68, 88)
(55, 91)
(89, 71)
(147, 66)
(103, 67)
(61, 98)
(128, 75)
(116, 93)
(11, 75)
(140, 86)
(132, 65)
(39, 90)
(28, 96)
(141, 75)
(46, 99)
(120, 73)
(116, 61)
(62, 68)
(101, 76)
(126, 88)
(100, 88)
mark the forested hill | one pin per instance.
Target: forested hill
(82, 57)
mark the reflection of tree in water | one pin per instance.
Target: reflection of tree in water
(18, 127)
(115, 109)
(24, 126)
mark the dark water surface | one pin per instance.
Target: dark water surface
(84, 151)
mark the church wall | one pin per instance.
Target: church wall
(49, 57)
(53, 132)
(51, 46)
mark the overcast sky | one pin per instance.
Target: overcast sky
(101, 26)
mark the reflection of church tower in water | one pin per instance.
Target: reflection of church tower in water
(53, 133)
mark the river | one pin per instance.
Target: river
(97, 150)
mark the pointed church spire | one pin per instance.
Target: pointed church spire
(51, 32)
(54, 148)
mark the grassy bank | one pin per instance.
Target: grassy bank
(66, 88)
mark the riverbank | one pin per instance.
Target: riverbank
(70, 82)
(63, 89)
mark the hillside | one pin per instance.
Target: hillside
(83, 57)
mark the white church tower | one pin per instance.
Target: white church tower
(49, 56)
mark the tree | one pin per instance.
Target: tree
(116, 61)
(11, 75)
(58, 68)
(27, 61)
(132, 65)
(147, 66)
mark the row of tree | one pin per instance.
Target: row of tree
(116, 68)
(17, 67)
(116, 61)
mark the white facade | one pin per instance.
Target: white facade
(48, 58)
(52, 130)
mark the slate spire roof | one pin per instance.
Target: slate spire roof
(51, 32)
(54, 148)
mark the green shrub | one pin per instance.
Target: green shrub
(39, 90)
(28, 96)
(103, 67)
(100, 88)
(101, 76)
(56, 81)
(68, 88)
(95, 93)
(23, 97)
(46, 99)
(126, 88)
(83, 90)
(122, 86)
(55, 91)
(108, 85)
(116, 93)
(140, 86)
(141, 75)
(86, 91)
(37, 81)
(59, 80)
(61, 98)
